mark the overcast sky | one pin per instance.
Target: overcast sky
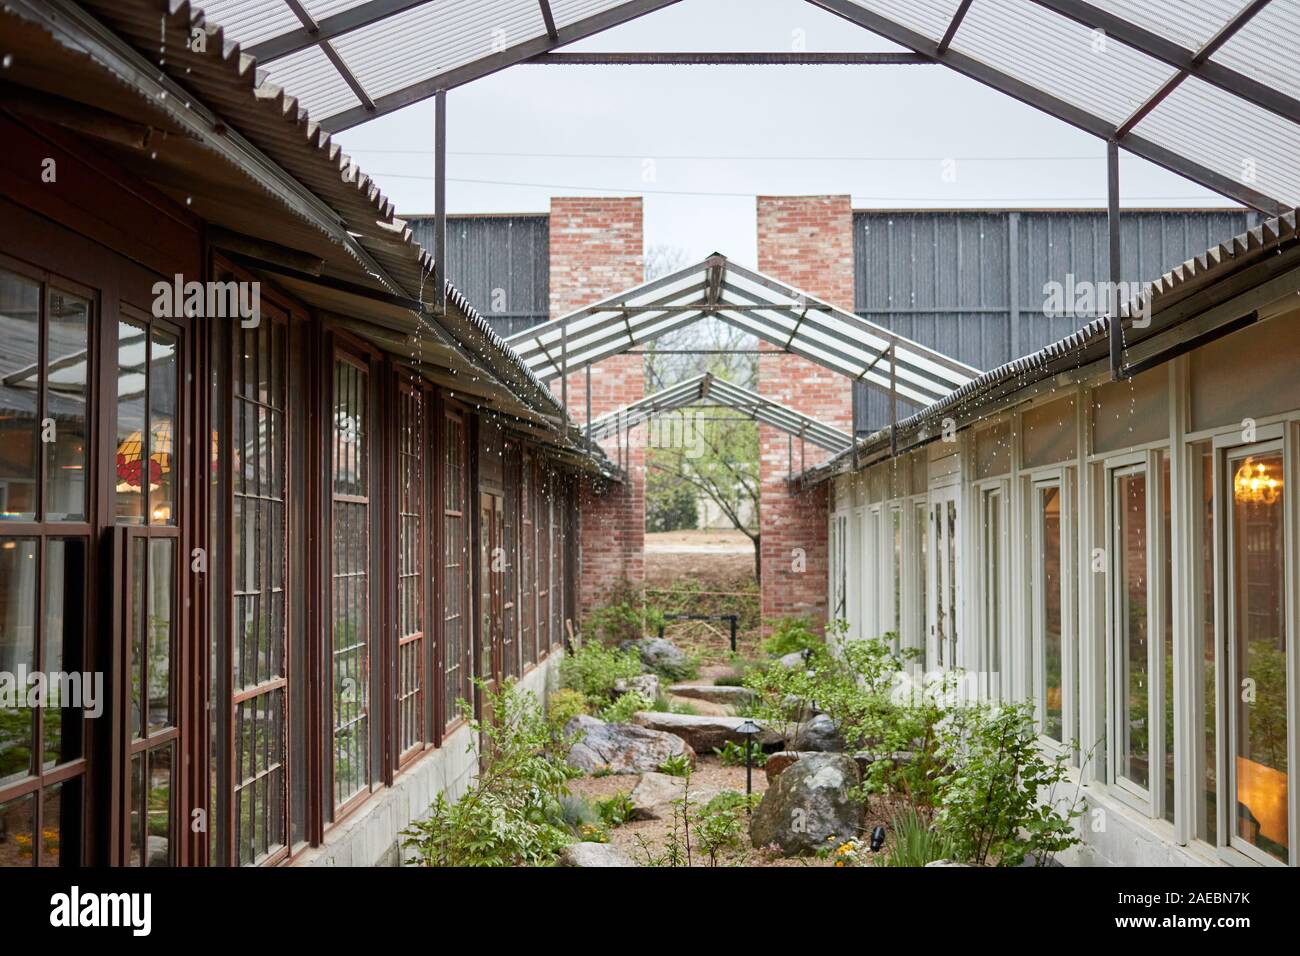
(700, 142)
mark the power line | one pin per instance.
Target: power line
(739, 157)
(740, 195)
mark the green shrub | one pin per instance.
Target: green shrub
(678, 765)
(734, 679)
(563, 705)
(512, 815)
(790, 634)
(591, 668)
(625, 706)
(732, 754)
(997, 799)
(626, 617)
(723, 822)
(616, 810)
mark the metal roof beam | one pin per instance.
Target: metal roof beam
(728, 59)
(1041, 100)
(332, 55)
(953, 25)
(1179, 57)
(362, 15)
(494, 62)
(1226, 32)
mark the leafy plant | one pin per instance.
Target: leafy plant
(512, 815)
(723, 822)
(914, 841)
(790, 634)
(563, 705)
(678, 765)
(616, 810)
(625, 706)
(997, 800)
(732, 754)
(592, 669)
(625, 617)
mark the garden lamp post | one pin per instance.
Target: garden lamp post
(748, 729)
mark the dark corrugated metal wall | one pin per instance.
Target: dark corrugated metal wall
(945, 279)
(500, 263)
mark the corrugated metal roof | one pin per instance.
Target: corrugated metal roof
(247, 138)
(1204, 87)
(760, 305)
(272, 120)
(997, 388)
(708, 390)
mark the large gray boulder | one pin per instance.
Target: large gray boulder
(819, 734)
(713, 693)
(620, 748)
(808, 805)
(662, 657)
(647, 685)
(777, 763)
(704, 732)
(656, 796)
(594, 854)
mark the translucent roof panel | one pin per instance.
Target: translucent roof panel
(452, 33)
(251, 21)
(1256, 49)
(930, 17)
(1060, 56)
(754, 303)
(313, 79)
(1187, 24)
(706, 390)
(1098, 64)
(1241, 141)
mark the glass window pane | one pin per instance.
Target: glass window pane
(17, 650)
(160, 842)
(132, 365)
(1259, 653)
(1206, 690)
(61, 824)
(135, 824)
(136, 625)
(161, 623)
(163, 371)
(67, 376)
(65, 649)
(20, 304)
(17, 831)
(351, 585)
(1135, 746)
(1050, 512)
(1167, 638)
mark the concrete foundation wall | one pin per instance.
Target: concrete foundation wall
(372, 835)
(1114, 835)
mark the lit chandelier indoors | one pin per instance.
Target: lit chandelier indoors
(1254, 484)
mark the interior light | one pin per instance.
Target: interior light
(1255, 484)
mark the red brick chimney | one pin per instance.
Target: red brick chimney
(597, 249)
(807, 242)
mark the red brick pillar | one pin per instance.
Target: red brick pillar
(597, 249)
(807, 242)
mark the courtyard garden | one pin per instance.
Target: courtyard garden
(804, 749)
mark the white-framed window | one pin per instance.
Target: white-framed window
(837, 547)
(944, 581)
(894, 544)
(993, 580)
(1257, 653)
